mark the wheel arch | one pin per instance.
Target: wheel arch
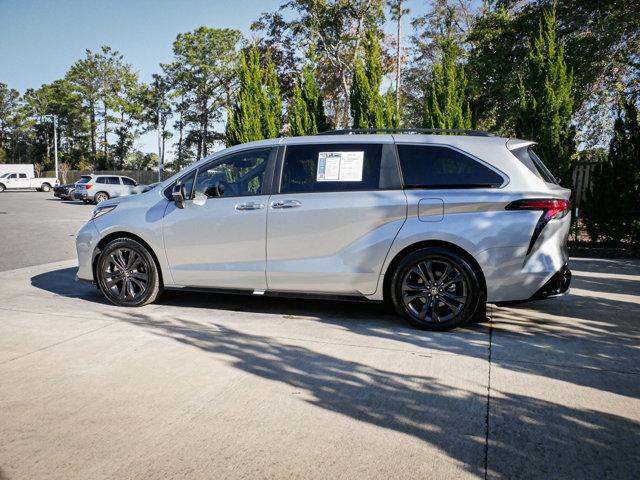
(121, 234)
(424, 244)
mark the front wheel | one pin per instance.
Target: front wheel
(2, 188)
(127, 274)
(435, 289)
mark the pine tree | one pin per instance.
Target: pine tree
(258, 108)
(546, 99)
(447, 106)
(616, 182)
(365, 100)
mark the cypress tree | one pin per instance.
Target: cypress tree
(256, 113)
(546, 99)
(306, 109)
(365, 101)
(271, 101)
(300, 121)
(612, 203)
(391, 118)
(447, 106)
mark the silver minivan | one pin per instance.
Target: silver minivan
(435, 225)
(98, 188)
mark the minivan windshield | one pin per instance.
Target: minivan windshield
(84, 179)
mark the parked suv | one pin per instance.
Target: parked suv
(98, 188)
(436, 225)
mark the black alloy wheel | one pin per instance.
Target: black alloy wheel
(127, 274)
(435, 289)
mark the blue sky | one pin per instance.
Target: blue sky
(41, 39)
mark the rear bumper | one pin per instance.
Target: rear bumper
(557, 285)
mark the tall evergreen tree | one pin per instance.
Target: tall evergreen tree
(447, 106)
(258, 107)
(612, 203)
(271, 101)
(306, 109)
(546, 99)
(365, 100)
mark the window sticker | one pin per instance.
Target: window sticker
(340, 166)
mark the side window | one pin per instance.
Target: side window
(431, 166)
(101, 180)
(13, 175)
(128, 181)
(23, 175)
(237, 175)
(113, 180)
(331, 167)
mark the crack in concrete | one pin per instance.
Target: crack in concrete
(486, 418)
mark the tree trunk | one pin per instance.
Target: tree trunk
(180, 128)
(94, 128)
(398, 58)
(205, 131)
(106, 126)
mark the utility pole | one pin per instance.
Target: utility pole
(160, 159)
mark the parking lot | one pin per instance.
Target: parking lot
(223, 386)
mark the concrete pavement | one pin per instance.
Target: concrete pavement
(213, 386)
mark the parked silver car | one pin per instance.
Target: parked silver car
(436, 225)
(98, 188)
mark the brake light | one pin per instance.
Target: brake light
(552, 208)
(87, 187)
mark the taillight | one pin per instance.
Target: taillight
(87, 186)
(551, 208)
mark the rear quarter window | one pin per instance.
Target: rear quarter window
(430, 166)
(84, 179)
(529, 159)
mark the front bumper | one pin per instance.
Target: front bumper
(86, 241)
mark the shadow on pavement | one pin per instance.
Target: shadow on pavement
(582, 340)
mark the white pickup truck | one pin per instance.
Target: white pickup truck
(13, 181)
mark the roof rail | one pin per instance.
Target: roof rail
(348, 131)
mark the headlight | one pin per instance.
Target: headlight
(99, 211)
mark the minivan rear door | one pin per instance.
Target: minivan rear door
(337, 209)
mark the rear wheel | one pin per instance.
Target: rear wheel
(435, 289)
(101, 197)
(127, 274)
(45, 187)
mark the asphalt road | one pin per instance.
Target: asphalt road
(222, 386)
(36, 228)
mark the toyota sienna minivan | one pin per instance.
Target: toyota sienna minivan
(435, 225)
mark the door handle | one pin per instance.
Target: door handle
(286, 204)
(249, 206)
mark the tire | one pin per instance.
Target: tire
(127, 274)
(45, 187)
(434, 288)
(100, 197)
(2, 187)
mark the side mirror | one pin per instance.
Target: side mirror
(178, 195)
(216, 189)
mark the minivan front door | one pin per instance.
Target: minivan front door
(331, 225)
(218, 239)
